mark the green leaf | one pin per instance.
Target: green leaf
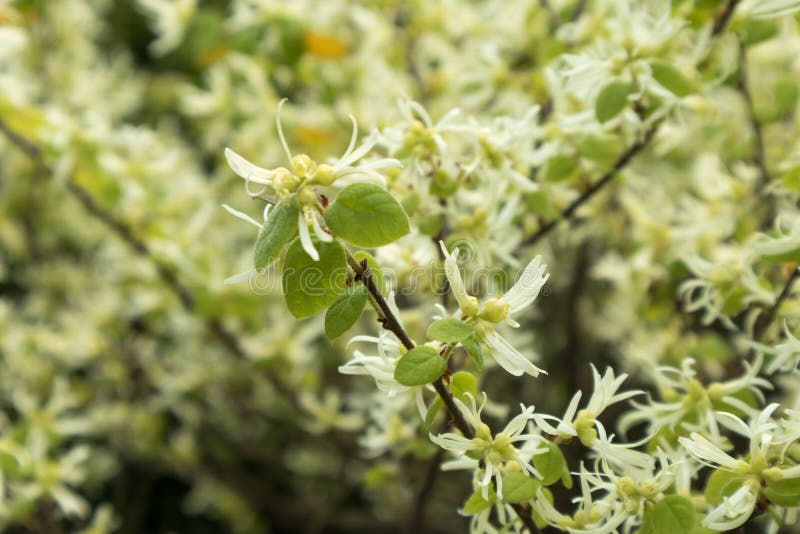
(755, 30)
(473, 348)
(673, 514)
(449, 330)
(518, 487)
(430, 224)
(345, 310)
(311, 286)
(374, 269)
(421, 365)
(671, 79)
(463, 382)
(784, 257)
(612, 100)
(367, 216)
(550, 464)
(476, 503)
(433, 411)
(647, 520)
(789, 501)
(278, 229)
(559, 167)
(785, 486)
(721, 484)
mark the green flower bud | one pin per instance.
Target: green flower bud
(324, 175)
(303, 166)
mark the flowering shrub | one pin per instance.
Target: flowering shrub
(552, 287)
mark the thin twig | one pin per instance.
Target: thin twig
(765, 320)
(580, 6)
(723, 16)
(595, 188)
(742, 84)
(387, 318)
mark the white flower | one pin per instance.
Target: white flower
(495, 451)
(604, 395)
(735, 510)
(297, 183)
(494, 311)
(379, 365)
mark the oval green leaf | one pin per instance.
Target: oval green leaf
(673, 514)
(345, 310)
(550, 464)
(450, 330)
(367, 216)
(463, 382)
(473, 348)
(419, 366)
(519, 487)
(671, 79)
(721, 484)
(612, 100)
(311, 286)
(278, 229)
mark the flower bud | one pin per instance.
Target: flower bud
(324, 175)
(494, 311)
(303, 166)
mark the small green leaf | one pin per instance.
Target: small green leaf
(278, 229)
(419, 366)
(721, 484)
(550, 464)
(519, 487)
(789, 501)
(566, 478)
(673, 514)
(647, 520)
(433, 411)
(612, 100)
(756, 30)
(785, 486)
(430, 224)
(476, 503)
(463, 382)
(789, 256)
(559, 167)
(367, 216)
(374, 269)
(671, 79)
(311, 286)
(473, 348)
(345, 310)
(449, 330)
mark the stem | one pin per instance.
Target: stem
(758, 136)
(387, 318)
(765, 320)
(595, 188)
(723, 16)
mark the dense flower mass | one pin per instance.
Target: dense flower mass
(517, 266)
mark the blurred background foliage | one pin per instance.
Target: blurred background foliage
(140, 394)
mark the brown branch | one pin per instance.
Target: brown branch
(742, 85)
(580, 6)
(723, 17)
(595, 188)
(387, 318)
(765, 320)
